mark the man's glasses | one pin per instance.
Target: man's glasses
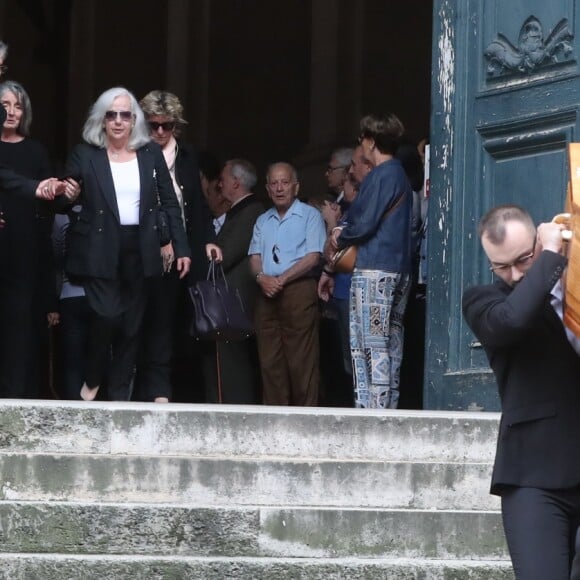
(167, 126)
(521, 262)
(114, 115)
(330, 168)
(275, 252)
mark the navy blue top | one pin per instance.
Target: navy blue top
(384, 243)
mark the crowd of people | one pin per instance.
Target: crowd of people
(96, 265)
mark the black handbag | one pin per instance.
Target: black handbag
(219, 312)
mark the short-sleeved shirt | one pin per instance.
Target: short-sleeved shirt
(301, 231)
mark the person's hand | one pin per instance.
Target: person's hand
(168, 257)
(214, 252)
(333, 239)
(270, 285)
(328, 251)
(325, 287)
(183, 265)
(53, 318)
(330, 211)
(72, 188)
(550, 236)
(50, 188)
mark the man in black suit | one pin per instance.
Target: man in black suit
(238, 362)
(536, 362)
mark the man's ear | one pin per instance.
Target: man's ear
(297, 189)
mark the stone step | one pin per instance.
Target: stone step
(246, 431)
(265, 532)
(50, 567)
(215, 481)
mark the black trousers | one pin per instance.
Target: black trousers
(540, 527)
(21, 325)
(117, 306)
(73, 330)
(153, 377)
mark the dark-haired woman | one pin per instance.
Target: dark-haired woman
(379, 223)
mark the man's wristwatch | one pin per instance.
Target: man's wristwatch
(259, 275)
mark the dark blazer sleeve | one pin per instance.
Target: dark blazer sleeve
(234, 239)
(199, 226)
(13, 183)
(502, 318)
(170, 205)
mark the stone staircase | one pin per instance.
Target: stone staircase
(142, 491)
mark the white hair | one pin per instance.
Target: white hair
(94, 129)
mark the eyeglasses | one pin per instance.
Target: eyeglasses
(283, 182)
(167, 126)
(520, 262)
(330, 168)
(3, 68)
(275, 252)
(114, 115)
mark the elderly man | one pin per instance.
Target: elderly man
(337, 173)
(536, 362)
(284, 254)
(335, 290)
(237, 361)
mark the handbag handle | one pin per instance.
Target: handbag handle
(211, 273)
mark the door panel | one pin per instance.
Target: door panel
(505, 104)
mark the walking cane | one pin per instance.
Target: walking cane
(219, 376)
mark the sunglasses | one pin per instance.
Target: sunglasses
(114, 115)
(275, 252)
(167, 126)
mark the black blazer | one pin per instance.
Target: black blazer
(94, 235)
(198, 222)
(538, 376)
(234, 239)
(13, 183)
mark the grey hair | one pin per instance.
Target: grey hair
(343, 156)
(244, 172)
(94, 129)
(3, 49)
(23, 101)
(293, 172)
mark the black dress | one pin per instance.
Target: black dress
(27, 283)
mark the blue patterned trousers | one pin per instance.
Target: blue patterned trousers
(377, 306)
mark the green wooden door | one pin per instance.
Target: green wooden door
(505, 98)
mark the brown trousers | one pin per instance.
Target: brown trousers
(287, 336)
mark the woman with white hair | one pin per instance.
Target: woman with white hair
(114, 241)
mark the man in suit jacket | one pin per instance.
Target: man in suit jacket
(238, 361)
(536, 362)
